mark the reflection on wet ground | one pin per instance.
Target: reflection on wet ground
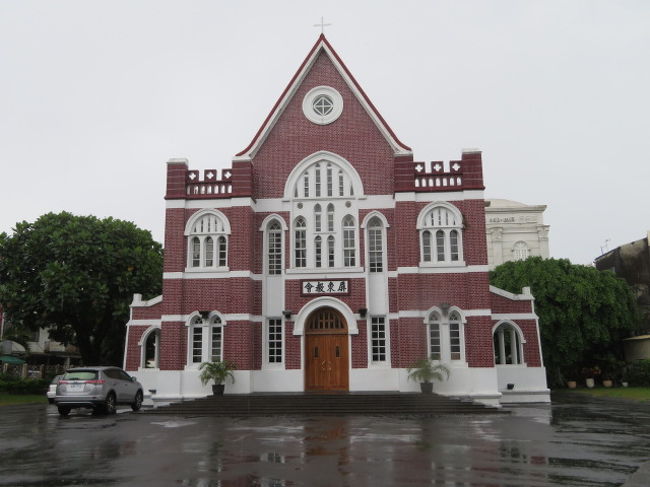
(576, 441)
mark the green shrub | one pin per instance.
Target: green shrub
(638, 373)
(13, 385)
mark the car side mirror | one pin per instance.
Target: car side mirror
(133, 379)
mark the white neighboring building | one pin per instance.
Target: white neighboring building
(515, 231)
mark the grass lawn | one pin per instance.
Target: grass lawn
(636, 393)
(7, 399)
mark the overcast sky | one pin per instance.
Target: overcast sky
(96, 96)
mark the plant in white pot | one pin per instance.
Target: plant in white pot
(425, 371)
(217, 371)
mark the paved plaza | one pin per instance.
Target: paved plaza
(576, 441)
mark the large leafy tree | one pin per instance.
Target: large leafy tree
(583, 312)
(77, 275)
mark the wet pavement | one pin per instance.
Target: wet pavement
(577, 441)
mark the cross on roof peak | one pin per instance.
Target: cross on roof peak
(322, 25)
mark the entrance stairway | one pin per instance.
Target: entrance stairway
(315, 404)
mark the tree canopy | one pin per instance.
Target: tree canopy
(77, 275)
(583, 312)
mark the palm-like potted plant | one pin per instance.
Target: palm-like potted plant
(217, 371)
(425, 371)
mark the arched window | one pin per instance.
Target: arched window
(206, 339)
(440, 229)
(305, 179)
(349, 241)
(341, 183)
(151, 349)
(318, 251)
(435, 345)
(207, 241)
(330, 252)
(445, 335)
(375, 239)
(318, 222)
(508, 348)
(300, 242)
(330, 217)
(317, 174)
(274, 248)
(329, 180)
(520, 251)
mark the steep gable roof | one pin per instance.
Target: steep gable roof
(322, 45)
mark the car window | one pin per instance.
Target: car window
(80, 375)
(124, 375)
(112, 373)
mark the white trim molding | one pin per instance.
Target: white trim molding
(314, 304)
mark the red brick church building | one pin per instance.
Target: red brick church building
(326, 258)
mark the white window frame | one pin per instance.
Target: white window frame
(197, 321)
(443, 320)
(355, 239)
(265, 343)
(223, 231)
(426, 225)
(520, 250)
(381, 364)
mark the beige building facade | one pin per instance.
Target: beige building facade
(515, 231)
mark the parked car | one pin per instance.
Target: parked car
(98, 388)
(51, 392)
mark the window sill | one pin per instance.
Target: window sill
(207, 269)
(324, 270)
(438, 265)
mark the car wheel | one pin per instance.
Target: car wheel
(109, 405)
(63, 411)
(137, 402)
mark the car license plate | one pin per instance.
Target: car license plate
(75, 387)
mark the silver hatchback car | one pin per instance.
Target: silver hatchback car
(99, 388)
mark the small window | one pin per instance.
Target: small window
(274, 242)
(300, 243)
(274, 341)
(507, 345)
(330, 251)
(378, 338)
(349, 246)
(434, 338)
(323, 105)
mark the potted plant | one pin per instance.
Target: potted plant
(217, 371)
(425, 371)
(590, 374)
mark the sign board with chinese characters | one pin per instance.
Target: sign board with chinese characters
(328, 286)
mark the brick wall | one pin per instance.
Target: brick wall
(353, 136)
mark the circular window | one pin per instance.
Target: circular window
(322, 105)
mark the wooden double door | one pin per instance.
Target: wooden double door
(326, 352)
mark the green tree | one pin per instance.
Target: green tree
(77, 275)
(583, 313)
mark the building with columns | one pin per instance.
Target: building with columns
(515, 231)
(326, 258)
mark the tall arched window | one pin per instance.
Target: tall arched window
(508, 349)
(206, 339)
(318, 251)
(330, 252)
(375, 229)
(329, 180)
(274, 248)
(318, 221)
(300, 242)
(330, 217)
(207, 241)
(349, 241)
(440, 226)
(317, 174)
(454, 335)
(435, 345)
(151, 349)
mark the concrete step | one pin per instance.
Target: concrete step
(323, 404)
